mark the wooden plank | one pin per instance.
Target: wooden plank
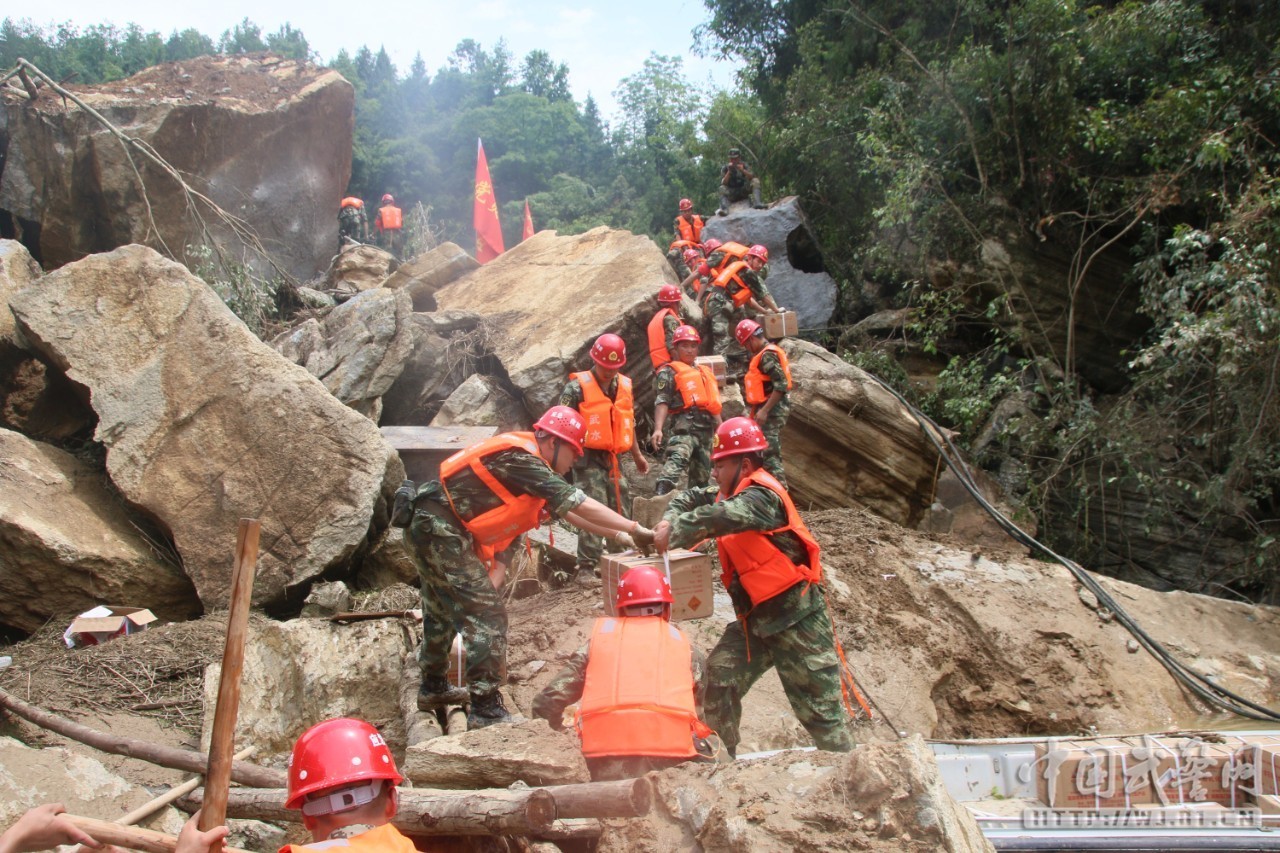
(445, 439)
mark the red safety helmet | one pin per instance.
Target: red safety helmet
(643, 585)
(670, 294)
(388, 198)
(746, 329)
(686, 333)
(691, 257)
(711, 245)
(335, 753)
(564, 423)
(758, 251)
(609, 351)
(737, 436)
(685, 204)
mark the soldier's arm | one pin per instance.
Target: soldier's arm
(759, 289)
(572, 395)
(562, 691)
(754, 508)
(525, 474)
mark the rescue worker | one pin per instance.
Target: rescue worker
(640, 682)
(464, 528)
(766, 389)
(718, 256)
(687, 392)
(737, 286)
(389, 224)
(353, 223)
(770, 567)
(602, 395)
(688, 235)
(664, 324)
(737, 183)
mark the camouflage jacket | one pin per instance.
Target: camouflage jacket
(521, 472)
(698, 514)
(567, 686)
(678, 417)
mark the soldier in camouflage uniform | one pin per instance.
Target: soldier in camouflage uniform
(610, 419)
(770, 567)
(766, 388)
(689, 395)
(651, 595)
(353, 222)
(738, 285)
(462, 536)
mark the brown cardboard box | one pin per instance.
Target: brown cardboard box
(1086, 775)
(780, 325)
(690, 581)
(1260, 773)
(716, 363)
(105, 622)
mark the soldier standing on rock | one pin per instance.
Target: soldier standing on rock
(353, 223)
(602, 395)
(687, 392)
(737, 182)
(766, 389)
(464, 530)
(770, 567)
(389, 225)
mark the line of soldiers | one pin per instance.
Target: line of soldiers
(388, 223)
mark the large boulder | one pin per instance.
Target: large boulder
(267, 139)
(68, 543)
(357, 268)
(550, 297)
(358, 349)
(849, 442)
(205, 424)
(481, 401)
(430, 271)
(496, 757)
(798, 277)
(444, 354)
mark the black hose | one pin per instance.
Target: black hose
(1199, 684)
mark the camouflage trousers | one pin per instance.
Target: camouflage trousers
(457, 597)
(596, 483)
(772, 429)
(688, 451)
(392, 240)
(722, 319)
(805, 657)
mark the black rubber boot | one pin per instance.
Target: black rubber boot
(436, 692)
(486, 710)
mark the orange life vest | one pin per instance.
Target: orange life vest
(611, 424)
(352, 201)
(684, 244)
(380, 839)
(637, 696)
(697, 386)
(690, 230)
(762, 568)
(390, 218)
(732, 252)
(732, 273)
(493, 530)
(658, 352)
(753, 382)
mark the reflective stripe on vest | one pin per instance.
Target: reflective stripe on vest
(637, 696)
(390, 218)
(697, 387)
(762, 568)
(731, 273)
(658, 352)
(690, 231)
(753, 382)
(498, 527)
(611, 424)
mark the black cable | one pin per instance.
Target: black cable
(1199, 684)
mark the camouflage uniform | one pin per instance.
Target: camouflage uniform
(567, 687)
(736, 186)
(771, 367)
(791, 631)
(353, 222)
(688, 433)
(591, 474)
(723, 317)
(457, 595)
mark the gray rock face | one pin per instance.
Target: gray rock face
(480, 402)
(204, 424)
(427, 273)
(440, 361)
(267, 139)
(68, 543)
(797, 278)
(358, 349)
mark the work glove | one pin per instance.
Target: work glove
(643, 537)
(624, 541)
(402, 507)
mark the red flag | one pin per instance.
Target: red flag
(528, 222)
(485, 217)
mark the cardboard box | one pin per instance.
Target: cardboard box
(716, 363)
(1086, 775)
(690, 581)
(780, 325)
(422, 449)
(1259, 773)
(102, 623)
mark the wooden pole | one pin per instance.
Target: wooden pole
(131, 837)
(623, 798)
(154, 753)
(217, 779)
(146, 809)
